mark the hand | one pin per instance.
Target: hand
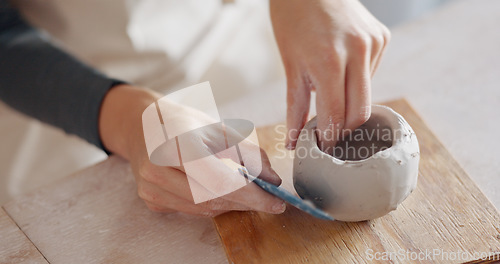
(166, 189)
(332, 47)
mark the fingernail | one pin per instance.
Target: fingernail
(279, 208)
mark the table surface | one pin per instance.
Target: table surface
(446, 64)
(98, 212)
(15, 247)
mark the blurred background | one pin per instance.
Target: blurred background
(393, 12)
(228, 43)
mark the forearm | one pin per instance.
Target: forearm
(120, 121)
(46, 83)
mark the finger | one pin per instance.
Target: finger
(330, 104)
(254, 158)
(166, 201)
(216, 179)
(358, 92)
(268, 174)
(168, 179)
(386, 34)
(175, 182)
(154, 195)
(229, 184)
(298, 101)
(254, 197)
(222, 179)
(160, 209)
(377, 45)
(160, 183)
(222, 204)
(245, 198)
(265, 170)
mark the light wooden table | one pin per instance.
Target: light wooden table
(95, 216)
(447, 65)
(15, 247)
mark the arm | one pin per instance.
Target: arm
(166, 188)
(46, 83)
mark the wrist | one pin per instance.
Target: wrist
(120, 120)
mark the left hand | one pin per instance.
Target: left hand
(166, 188)
(332, 47)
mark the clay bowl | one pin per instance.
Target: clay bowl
(365, 177)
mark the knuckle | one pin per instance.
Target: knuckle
(336, 113)
(144, 171)
(360, 42)
(337, 119)
(143, 195)
(361, 47)
(146, 194)
(377, 40)
(386, 33)
(154, 208)
(150, 175)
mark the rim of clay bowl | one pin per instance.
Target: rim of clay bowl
(395, 120)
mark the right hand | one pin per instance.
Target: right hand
(166, 189)
(332, 47)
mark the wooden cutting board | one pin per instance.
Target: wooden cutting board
(444, 217)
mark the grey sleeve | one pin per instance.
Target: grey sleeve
(46, 83)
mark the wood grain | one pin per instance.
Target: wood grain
(15, 247)
(95, 216)
(447, 213)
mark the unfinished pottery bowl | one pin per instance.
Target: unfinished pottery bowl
(368, 175)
